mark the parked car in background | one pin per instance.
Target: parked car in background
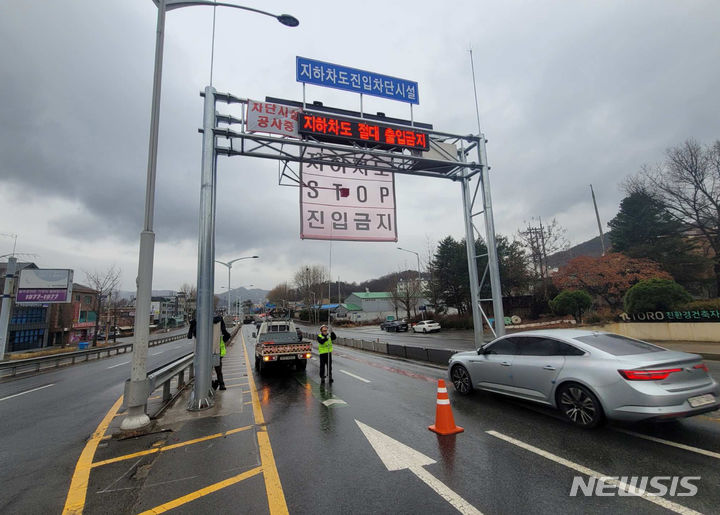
(426, 326)
(394, 325)
(589, 376)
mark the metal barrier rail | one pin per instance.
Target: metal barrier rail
(163, 376)
(12, 368)
(436, 356)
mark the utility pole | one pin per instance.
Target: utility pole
(597, 216)
(7, 304)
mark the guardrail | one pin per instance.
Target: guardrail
(163, 376)
(436, 356)
(29, 365)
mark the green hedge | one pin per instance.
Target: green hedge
(655, 295)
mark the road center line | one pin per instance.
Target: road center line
(75, 501)
(660, 501)
(156, 353)
(712, 454)
(29, 391)
(273, 488)
(119, 364)
(353, 375)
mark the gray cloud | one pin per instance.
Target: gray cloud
(570, 94)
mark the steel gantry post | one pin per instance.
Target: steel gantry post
(472, 260)
(202, 394)
(493, 262)
(493, 265)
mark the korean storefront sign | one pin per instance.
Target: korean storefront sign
(333, 128)
(273, 118)
(692, 315)
(336, 76)
(328, 212)
(44, 286)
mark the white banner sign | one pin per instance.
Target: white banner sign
(45, 279)
(44, 286)
(366, 213)
(273, 118)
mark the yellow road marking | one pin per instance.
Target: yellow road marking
(273, 487)
(77, 492)
(202, 492)
(168, 447)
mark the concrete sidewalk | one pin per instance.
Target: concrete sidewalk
(191, 462)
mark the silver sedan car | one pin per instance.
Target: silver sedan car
(589, 376)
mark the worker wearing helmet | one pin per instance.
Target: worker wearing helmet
(325, 342)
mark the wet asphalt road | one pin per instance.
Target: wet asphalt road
(327, 465)
(46, 418)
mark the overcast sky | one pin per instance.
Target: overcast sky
(571, 93)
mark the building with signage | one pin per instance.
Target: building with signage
(28, 328)
(74, 322)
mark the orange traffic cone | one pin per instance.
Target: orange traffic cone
(444, 422)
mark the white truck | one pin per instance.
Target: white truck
(279, 341)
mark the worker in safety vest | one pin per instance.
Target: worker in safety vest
(325, 342)
(219, 338)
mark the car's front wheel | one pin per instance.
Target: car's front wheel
(580, 406)
(461, 380)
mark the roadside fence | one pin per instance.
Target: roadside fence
(29, 365)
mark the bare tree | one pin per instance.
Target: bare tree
(103, 283)
(280, 294)
(542, 241)
(310, 281)
(406, 293)
(687, 184)
(190, 292)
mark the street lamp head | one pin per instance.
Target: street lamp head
(254, 257)
(289, 20)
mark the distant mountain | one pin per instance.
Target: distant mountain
(592, 248)
(256, 295)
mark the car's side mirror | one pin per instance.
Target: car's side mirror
(481, 350)
(254, 335)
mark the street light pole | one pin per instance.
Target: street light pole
(418, 267)
(136, 389)
(229, 265)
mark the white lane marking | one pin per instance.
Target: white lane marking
(356, 377)
(634, 490)
(330, 402)
(398, 456)
(29, 391)
(119, 364)
(156, 353)
(712, 454)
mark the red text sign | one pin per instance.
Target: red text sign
(370, 132)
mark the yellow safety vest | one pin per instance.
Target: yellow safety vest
(324, 348)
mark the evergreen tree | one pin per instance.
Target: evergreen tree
(643, 228)
(450, 274)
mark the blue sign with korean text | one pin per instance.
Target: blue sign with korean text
(336, 76)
